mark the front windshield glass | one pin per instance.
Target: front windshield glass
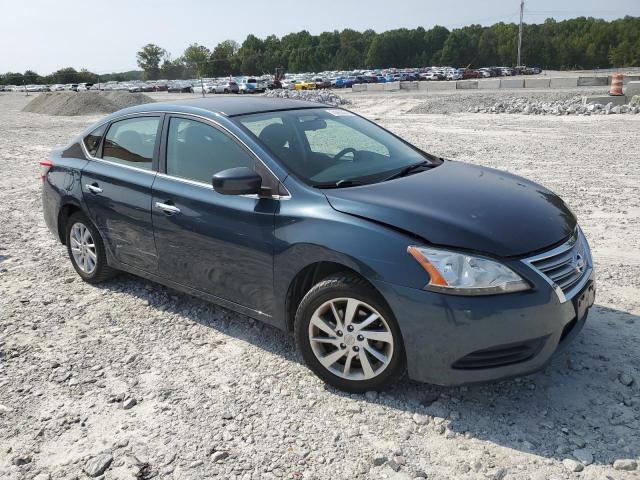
(326, 146)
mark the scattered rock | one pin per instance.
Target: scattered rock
(219, 456)
(420, 419)
(129, 403)
(98, 465)
(20, 460)
(393, 465)
(371, 395)
(625, 464)
(572, 465)
(379, 460)
(625, 379)
(584, 455)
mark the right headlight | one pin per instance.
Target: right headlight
(463, 274)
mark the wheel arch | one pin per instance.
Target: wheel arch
(66, 210)
(309, 276)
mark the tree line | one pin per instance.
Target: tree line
(578, 43)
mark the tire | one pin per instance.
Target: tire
(100, 271)
(334, 295)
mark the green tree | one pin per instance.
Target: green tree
(220, 62)
(196, 59)
(65, 75)
(149, 58)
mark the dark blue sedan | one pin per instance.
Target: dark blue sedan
(378, 256)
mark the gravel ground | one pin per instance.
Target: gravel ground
(138, 381)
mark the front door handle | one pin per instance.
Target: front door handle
(93, 188)
(172, 209)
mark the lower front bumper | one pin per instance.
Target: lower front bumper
(454, 340)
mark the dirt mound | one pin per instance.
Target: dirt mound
(84, 103)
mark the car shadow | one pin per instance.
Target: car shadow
(578, 405)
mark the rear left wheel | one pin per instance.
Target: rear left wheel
(348, 336)
(86, 250)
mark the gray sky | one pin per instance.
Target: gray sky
(104, 36)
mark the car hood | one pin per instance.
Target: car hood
(464, 206)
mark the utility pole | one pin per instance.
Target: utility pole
(520, 33)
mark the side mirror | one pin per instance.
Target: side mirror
(237, 181)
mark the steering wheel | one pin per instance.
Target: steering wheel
(344, 151)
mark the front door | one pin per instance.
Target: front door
(218, 244)
(117, 190)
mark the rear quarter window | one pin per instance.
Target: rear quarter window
(92, 141)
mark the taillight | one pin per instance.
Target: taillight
(44, 168)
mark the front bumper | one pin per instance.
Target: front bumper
(454, 340)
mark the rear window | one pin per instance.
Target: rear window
(92, 141)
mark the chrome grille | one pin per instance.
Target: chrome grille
(565, 265)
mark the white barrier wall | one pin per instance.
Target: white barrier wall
(632, 88)
(511, 82)
(593, 81)
(537, 82)
(489, 83)
(409, 85)
(446, 85)
(466, 84)
(564, 82)
(391, 86)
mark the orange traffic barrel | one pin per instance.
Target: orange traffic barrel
(616, 84)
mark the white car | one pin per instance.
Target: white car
(430, 76)
(207, 87)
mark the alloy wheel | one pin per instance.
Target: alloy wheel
(351, 339)
(83, 248)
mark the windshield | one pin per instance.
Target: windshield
(327, 146)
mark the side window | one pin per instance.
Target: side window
(92, 141)
(337, 136)
(197, 151)
(131, 142)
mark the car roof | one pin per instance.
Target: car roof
(231, 106)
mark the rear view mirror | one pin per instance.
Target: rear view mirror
(312, 123)
(237, 181)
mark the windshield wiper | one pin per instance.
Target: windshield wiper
(340, 184)
(408, 169)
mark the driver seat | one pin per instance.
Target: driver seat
(276, 137)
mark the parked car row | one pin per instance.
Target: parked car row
(301, 81)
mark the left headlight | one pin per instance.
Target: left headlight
(462, 274)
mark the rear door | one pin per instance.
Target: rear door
(218, 244)
(116, 187)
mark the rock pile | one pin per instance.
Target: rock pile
(84, 103)
(572, 106)
(319, 96)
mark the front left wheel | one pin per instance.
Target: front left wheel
(348, 336)
(86, 250)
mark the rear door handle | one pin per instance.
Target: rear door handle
(93, 188)
(172, 209)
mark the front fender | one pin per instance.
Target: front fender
(308, 230)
